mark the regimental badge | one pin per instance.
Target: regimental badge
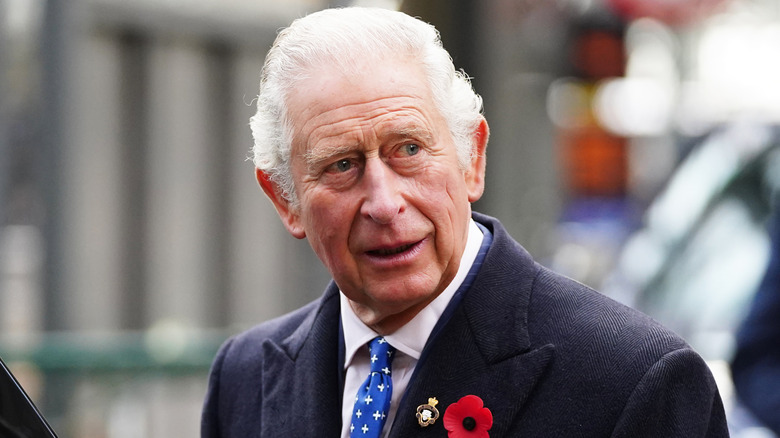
(427, 414)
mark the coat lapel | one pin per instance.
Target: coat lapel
(302, 377)
(504, 387)
(485, 348)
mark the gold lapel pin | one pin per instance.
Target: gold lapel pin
(427, 414)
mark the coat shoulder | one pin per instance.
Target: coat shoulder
(567, 313)
(615, 365)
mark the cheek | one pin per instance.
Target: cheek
(451, 209)
(329, 238)
(442, 193)
(328, 220)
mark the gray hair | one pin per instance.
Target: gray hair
(339, 37)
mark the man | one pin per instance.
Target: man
(371, 146)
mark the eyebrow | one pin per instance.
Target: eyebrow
(412, 132)
(313, 158)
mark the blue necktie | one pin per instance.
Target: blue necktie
(372, 403)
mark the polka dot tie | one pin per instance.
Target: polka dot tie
(372, 402)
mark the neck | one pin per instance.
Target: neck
(386, 324)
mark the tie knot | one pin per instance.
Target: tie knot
(381, 354)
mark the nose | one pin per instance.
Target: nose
(383, 199)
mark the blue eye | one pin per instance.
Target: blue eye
(343, 165)
(411, 149)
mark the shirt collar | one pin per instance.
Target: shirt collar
(411, 338)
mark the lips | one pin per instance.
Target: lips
(390, 251)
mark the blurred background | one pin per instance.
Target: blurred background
(633, 148)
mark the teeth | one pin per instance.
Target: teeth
(387, 252)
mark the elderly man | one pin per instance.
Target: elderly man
(370, 145)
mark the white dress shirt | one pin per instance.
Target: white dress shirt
(408, 341)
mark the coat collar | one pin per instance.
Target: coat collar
(303, 376)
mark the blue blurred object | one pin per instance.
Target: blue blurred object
(756, 365)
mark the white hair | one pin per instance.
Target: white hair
(340, 37)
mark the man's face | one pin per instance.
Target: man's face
(383, 201)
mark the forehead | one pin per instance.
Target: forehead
(332, 99)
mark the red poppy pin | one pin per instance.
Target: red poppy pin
(468, 418)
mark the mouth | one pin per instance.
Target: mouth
(385, 252)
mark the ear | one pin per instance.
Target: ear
(475, 174)
(290, 216)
